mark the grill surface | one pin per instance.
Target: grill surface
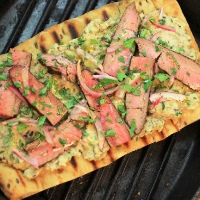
(165, 170)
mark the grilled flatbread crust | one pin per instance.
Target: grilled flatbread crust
(12, 181)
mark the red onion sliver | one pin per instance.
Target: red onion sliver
(87, 89)
(17, 93)
(155, 36)
(161, 13)
(167, 95)
(113, 47)
(172, 78)
(26, 158)
(104, 76)
(21, 119)
(48, 136)
(102, 119)
(99, 72)
(164, 27)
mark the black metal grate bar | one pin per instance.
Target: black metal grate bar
(19, 26)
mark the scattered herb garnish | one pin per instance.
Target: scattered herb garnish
(21, 127)
(129, 43)
(121, 59)
(62, 141)
(110, 133)
(41, 121)
(3, 77)
(162, 77)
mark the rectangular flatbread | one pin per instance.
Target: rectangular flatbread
(79, 165)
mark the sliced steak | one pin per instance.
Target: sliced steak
(137, 105)
(118, 54)
(116, 133)
(183, 68)
(47, 104)
(147, 48)
(65, 136)
(9, 102)
(60, 64)
(21, 58)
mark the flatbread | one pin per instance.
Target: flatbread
(12, 181)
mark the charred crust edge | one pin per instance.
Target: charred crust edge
(144, 139)
(111, 156)
(73, 162)
(87, 20)
(55, 37)
(105, 15)
(43, 49)
(94, 164)
(73, 31)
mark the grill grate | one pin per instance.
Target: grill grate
(165, 170)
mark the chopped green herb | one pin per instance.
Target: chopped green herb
(109, 120)
(131, 89)
(163, 105)
(41, 121)
(102, 99)
(85, 133)
(17, 84)
(120, 76)
(49, 83)
(152, 19)
(7, 85)
(39, 55)
(133, 126)
(21, 127)
(43, 92)
(144, 53)
(174, 70)
(86, 119)
(62, 141)
(93, 41)
(10, 124)
(121, 59)
(129, 43)
(162, 77)
(39, 136)
(45, 104)
(122, 110)
(143, 32)
(35, 104)
(188, 74)
(105, 82)
(178, 113)
(110, 133)
(6, 63)
(188, 102)
(162, 21)
(81, 41)
(147, 83)
(41, 73)
(3, 77)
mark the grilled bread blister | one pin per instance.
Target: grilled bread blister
(84, 102)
